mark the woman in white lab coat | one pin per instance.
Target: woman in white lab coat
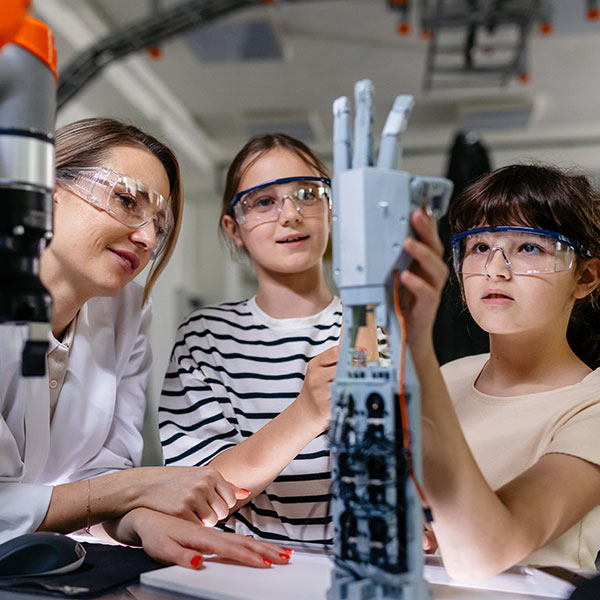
(68, 440)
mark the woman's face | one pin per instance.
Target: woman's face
(292, 244)
(96, 254)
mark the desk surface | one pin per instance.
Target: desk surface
(439, 592)
(143, 592)
(307, 579)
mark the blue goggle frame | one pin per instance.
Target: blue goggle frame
(559, 237)
(239, 195)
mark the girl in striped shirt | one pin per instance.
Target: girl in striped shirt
(247, 387)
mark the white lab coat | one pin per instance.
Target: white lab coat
(99, 415)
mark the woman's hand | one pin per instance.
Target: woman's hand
(196, 494)
(424, 281)
(315, 395)
(170, 540)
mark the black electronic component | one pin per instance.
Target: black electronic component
(348, 533)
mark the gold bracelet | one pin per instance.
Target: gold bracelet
(88, 506)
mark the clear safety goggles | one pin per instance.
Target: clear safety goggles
(263, 203)
(128, 200)
(525, 250)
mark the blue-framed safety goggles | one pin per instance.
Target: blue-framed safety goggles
(263, 203)
(526, 250)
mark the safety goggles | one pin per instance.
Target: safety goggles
(525, 250)
(263, 203)
(128, 200)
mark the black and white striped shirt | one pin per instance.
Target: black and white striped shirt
(232, 370)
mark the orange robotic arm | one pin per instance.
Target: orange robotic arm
(28, 79)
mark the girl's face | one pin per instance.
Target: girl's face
(97, 254)
(292, 244)
(504, 303)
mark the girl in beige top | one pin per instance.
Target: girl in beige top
(511, 450)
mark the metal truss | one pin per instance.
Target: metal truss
(151, 31)
(489, 39)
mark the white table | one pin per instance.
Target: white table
(307, 577)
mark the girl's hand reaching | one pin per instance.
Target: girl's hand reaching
(430, 544)
(315, 395)
(423, 282)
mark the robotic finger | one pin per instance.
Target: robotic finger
(363, 138)
(390, 150)
(341, 134)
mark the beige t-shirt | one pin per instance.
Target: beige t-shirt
(507, 435)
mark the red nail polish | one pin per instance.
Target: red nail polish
(286, 556)
(196, 560)
(245, 490)
(290, 550)
(267, 562)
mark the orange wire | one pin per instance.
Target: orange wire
(402, 393)
(401, 389)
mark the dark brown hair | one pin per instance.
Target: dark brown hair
(256, 147)
(543, 197)
(87, 143)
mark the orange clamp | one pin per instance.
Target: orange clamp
(154, 52)
(37, 38)
(403, 28)
(13, 15)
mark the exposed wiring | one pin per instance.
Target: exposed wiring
(402, 401)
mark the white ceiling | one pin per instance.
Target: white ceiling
(206, 109)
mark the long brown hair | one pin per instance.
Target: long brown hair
(86, 143)
(256, 147)
(543, 197)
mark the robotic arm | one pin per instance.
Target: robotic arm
(375, 427)
(28, 81)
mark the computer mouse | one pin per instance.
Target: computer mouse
(40, 553)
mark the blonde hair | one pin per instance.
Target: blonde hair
(86, 143)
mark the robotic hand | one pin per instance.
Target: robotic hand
(27, 113)
(375, 426)
(374, 203)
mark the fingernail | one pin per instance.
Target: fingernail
(267, 562)
(245, 490)
(196, 560)
(286, 556)
(288, 550)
